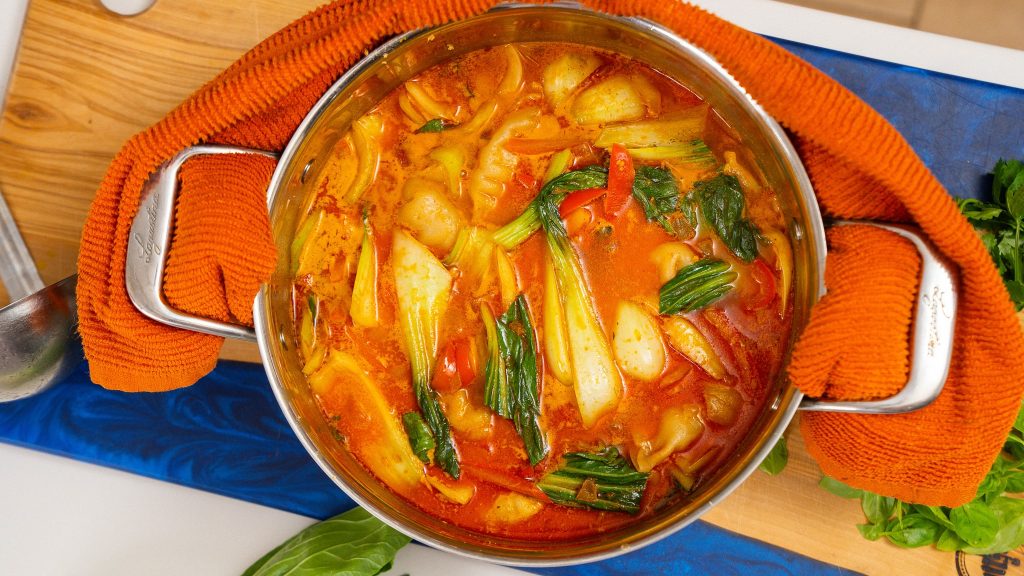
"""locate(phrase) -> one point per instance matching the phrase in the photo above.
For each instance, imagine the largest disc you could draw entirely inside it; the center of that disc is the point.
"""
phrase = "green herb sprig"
(1001, 223)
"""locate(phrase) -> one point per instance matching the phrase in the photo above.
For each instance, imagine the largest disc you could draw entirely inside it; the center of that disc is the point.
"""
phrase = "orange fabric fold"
(854, 347)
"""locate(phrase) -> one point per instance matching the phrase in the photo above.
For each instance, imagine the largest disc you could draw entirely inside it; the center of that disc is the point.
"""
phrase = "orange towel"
(853, 348)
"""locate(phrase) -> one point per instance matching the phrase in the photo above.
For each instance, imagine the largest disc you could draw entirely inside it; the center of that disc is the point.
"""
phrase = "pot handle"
(931, 341)
(150, 239)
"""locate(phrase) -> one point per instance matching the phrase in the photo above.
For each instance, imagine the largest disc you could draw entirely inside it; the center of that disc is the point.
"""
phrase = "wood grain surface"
(87, 79)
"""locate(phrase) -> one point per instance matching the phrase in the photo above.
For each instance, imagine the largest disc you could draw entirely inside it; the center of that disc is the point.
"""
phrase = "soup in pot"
(541, 290)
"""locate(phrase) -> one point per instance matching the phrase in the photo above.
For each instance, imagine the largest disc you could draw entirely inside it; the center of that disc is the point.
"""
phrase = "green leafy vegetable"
(657, 193)
(1001, 222)
(602, 480)
(510, 378)
(551, 194)
(695, 286)
(434, 125)
(777, 459)
(912, 531)
(839, 489)
(353, 543)
(722, 207)
(420, 437)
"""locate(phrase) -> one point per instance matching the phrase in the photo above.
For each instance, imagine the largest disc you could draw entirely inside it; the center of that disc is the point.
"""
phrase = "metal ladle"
(39, 342)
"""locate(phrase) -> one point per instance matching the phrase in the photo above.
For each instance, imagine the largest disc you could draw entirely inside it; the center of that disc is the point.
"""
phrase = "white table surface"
(63, 517)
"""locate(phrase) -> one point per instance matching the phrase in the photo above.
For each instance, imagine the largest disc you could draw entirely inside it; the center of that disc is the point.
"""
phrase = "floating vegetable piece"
(512, 508)
(495, 165)
(676, 129)
(783, 263)
(678, 429)
(432, 219)
(722, 403)
(366, 135)
(619, 486)
(468, 419)
(637, 342)
(671, 257)
(722, 207)
(613, 100)
(423, 288)
(684, 337)
(388, 455)
(579, 199)
(556, 341)
(514, 394)
(559, 162)
(564, 74)
(694, 153)
(508, 281)
(364, 293)
(434, 125)
(458, 493)
(512, 81)
(554, 192)
(656, 191)
(453, 160)
(621, 176)
(685, 468)
(696, 286)
(421, 439)
(471, 253)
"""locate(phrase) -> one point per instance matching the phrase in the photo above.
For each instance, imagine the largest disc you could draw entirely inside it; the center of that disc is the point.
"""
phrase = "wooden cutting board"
(87, 79)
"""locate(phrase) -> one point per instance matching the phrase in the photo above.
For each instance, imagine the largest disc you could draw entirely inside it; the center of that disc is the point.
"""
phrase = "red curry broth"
(399, 160)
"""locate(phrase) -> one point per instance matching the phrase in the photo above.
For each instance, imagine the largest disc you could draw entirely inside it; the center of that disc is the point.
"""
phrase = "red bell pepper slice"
(464, 362)
(578, 199)
(620, 182)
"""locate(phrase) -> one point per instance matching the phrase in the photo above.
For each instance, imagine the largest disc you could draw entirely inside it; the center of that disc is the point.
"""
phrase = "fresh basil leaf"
(1015, 197)
(977, 210)
(871, 531)
(777, 459)
(877, 509)
(912, 531)
(948, 541)
(722, 206)
(1003, 175)
(839, 489)
(1009, 513)
(1016, 290)
(975, 523)
(353, 543)
(933, 513)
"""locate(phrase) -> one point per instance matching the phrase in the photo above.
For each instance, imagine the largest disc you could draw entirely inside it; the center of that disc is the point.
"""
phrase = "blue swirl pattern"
(227, 435)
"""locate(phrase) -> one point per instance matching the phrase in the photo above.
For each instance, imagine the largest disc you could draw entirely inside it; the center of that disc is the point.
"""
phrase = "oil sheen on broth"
(541, 290)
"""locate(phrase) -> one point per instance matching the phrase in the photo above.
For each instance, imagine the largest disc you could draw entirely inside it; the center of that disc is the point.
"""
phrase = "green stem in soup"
(601, 480)
(517, 231)
(364, 292)
(696, 286)
(510, 387)
(423, 287)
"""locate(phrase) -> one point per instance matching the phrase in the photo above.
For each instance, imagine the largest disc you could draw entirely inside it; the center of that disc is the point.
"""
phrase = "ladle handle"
(150, 240)
(17, 269)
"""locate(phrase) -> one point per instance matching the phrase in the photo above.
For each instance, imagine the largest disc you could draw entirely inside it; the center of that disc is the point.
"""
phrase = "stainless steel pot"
(405, 56)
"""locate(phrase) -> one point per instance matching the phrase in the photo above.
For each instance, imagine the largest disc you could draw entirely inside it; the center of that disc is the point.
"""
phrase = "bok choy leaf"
(517, 231)
(722, 207)
(510, 387)
(423, 286)
(601, 480)
(695, 286)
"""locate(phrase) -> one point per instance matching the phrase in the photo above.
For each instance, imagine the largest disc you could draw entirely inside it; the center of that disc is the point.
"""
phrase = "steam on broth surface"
(541, 290)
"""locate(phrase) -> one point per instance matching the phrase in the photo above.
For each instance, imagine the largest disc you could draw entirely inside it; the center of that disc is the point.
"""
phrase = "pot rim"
(786, 404)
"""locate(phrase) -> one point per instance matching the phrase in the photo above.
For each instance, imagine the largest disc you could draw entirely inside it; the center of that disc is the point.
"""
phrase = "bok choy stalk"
(602, 480)
(423, 287)
(510, 378)
(364, 292)
(596, 379)
(552, 193)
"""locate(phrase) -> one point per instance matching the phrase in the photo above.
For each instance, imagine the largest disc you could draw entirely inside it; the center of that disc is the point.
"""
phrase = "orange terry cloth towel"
(854, 348)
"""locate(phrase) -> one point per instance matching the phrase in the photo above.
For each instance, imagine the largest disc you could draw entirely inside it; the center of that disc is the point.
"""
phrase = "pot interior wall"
(402, 58)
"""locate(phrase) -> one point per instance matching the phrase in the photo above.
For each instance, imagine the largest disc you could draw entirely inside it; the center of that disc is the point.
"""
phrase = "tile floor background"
(999, 22)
